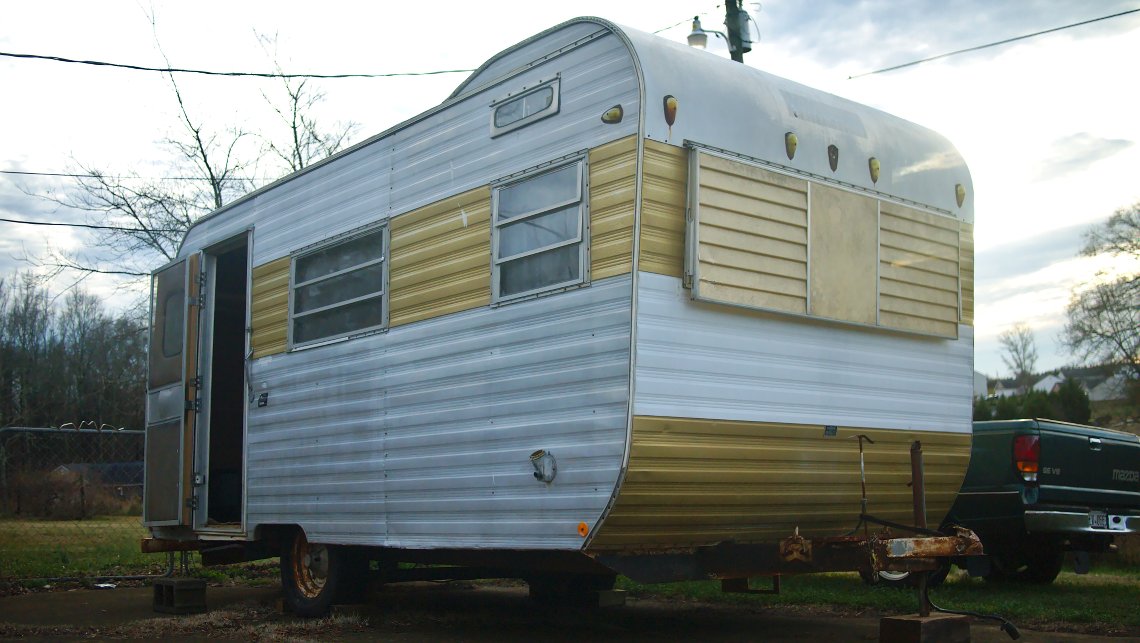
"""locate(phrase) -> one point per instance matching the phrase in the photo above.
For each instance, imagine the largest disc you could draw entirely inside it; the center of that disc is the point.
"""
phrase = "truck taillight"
(1026, 455)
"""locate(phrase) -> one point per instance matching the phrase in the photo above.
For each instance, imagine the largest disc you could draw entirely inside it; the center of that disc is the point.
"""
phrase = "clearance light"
(583, 529)
(833, 156)
(1026, 456)
(613, 115)
(960, 194)
(790, 143)
(873, 166)
(670, 105)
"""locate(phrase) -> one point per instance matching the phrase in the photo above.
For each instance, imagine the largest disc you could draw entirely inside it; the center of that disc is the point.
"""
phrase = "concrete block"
(936, 628)
(179, 595)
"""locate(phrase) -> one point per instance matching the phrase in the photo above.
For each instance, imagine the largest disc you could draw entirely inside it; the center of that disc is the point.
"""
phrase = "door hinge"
(194, 405)
(192, 503)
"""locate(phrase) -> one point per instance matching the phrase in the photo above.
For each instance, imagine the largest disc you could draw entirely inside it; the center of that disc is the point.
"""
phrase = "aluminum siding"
(697, 360)
(664, 179)
(966, 278)
(421, 437)
(613, 172)
(269, 306)
(444, 153)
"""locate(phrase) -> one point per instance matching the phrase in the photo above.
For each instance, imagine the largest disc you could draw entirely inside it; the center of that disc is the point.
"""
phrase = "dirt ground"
(437, 612)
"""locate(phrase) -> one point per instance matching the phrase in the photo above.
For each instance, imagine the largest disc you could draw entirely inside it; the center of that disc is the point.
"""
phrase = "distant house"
(1007, 388)
(1049, 383)
(1113, 388)
(125, 477)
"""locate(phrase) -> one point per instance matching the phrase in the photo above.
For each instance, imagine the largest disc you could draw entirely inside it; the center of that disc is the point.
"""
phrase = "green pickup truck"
(1038, 488)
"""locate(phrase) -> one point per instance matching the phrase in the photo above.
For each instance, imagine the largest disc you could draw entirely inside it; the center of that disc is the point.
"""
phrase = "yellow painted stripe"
(441, 258)
(966, 271)
(699, 482)
(663, 199)
(613, 176)
(269, 318)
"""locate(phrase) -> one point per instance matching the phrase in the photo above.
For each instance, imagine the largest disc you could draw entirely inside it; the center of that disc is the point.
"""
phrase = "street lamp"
(739, 37)
(699, 37)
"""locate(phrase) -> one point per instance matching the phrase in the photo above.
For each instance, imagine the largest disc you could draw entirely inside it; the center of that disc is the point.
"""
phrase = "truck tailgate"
(1086, 467)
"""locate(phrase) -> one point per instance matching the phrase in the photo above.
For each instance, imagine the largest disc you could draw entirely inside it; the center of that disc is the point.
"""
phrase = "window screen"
(338, 290)
(538, 232)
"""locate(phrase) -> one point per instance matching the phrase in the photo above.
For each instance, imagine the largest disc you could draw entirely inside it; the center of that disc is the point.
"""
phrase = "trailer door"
(172, 393)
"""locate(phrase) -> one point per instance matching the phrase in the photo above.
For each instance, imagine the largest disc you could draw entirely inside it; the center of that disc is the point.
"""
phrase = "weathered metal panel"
(918, 271)
(269, 308)
(664, 182)
(422, 436)
(440, 154)
(966, 271)
(741, 108)
(440, 258)
(696, 482)
(753, 237)
(613, 171)
(701, 360)
(844, 260)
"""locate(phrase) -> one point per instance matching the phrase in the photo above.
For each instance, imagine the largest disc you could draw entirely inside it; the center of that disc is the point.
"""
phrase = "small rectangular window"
(538, 232)
(522, 109)
(338, 289)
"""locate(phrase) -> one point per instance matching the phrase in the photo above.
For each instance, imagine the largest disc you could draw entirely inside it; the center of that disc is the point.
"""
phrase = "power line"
(176, 70)
(90, 226)
(993, 44)
(686, 20)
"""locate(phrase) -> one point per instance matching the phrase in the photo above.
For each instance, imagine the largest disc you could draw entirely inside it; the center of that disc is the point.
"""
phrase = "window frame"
(552, 109)
(580, 238)
(382, 294)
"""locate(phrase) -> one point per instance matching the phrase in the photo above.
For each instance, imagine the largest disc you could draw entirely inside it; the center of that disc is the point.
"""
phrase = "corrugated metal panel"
(445, 153)
(613, 172)
(441, 258)
(421, 436)
(966, 271)
(707, 361)
(269, 308)
(753, 236)
(663, 194)
(918, 271)
(699, 482)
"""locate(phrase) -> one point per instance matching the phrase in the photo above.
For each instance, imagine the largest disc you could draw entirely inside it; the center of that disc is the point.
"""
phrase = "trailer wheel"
(315, 576)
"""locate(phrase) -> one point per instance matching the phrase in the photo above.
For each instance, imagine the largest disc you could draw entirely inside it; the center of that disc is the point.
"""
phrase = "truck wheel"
(906, 580)
(315, 576)
(1037, 563)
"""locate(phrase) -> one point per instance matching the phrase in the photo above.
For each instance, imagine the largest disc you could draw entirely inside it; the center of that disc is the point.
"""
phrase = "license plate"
(1098, 520)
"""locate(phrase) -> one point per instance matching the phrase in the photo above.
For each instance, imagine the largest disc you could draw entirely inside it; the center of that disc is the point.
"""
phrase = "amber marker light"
(873, 166)
(833, 156)
(960, 194)
(583, 529)
(790, 143)
(670, 105)
(613, 115)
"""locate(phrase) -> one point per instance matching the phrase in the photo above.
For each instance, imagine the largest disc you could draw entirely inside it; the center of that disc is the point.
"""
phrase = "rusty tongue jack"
(921, 554)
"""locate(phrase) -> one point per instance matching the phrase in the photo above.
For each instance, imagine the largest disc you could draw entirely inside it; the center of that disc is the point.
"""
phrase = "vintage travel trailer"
(615, 306)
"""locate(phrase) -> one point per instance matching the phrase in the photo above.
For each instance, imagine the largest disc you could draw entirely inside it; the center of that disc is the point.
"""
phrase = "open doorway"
(224, 370)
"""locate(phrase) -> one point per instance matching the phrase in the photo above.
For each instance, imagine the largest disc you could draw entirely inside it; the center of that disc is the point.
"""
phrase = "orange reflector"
(583, 529)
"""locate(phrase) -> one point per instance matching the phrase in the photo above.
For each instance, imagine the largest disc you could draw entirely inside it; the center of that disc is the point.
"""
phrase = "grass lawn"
(101, 546)
(1107, 596)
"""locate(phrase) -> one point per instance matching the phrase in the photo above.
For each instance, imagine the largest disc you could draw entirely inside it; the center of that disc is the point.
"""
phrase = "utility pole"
(733, 17)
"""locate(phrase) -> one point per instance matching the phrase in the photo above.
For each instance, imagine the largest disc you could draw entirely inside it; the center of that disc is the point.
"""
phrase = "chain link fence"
(71, 505)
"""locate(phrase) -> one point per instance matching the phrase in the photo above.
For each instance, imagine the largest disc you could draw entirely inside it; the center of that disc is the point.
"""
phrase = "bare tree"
(305, 140)
(140, 222)
(1104, 316)
(1019, 353)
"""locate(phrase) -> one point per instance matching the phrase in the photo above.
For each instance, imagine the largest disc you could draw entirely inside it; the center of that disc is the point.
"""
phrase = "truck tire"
(906, 580)
(1037, 562)
(314, 577)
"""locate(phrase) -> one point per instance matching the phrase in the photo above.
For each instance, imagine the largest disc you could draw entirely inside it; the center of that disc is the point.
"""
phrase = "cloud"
(871, 34)
(1028, 254)
(1077, 152)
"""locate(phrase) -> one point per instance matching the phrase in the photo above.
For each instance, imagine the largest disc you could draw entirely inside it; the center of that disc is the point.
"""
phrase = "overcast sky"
(1048, 125)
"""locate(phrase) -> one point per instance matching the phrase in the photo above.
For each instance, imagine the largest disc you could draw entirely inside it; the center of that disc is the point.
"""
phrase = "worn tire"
(1037, 562)
(314, 577)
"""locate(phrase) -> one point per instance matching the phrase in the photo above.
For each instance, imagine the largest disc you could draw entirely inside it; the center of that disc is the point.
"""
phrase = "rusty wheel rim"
(310, 567)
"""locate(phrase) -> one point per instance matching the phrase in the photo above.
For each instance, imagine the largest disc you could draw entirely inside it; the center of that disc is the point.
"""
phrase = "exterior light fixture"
(699, 37)
(873, 166)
